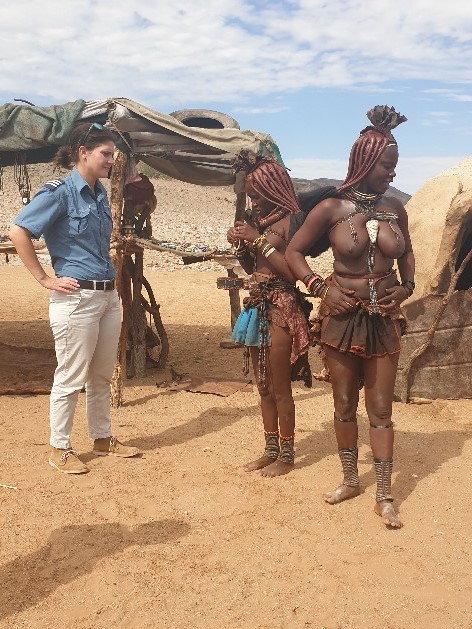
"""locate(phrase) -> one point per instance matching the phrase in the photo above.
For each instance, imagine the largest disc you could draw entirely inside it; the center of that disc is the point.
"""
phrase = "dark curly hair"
(88, 135)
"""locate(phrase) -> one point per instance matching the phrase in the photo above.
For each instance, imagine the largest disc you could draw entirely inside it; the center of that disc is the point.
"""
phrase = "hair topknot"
(384, 119)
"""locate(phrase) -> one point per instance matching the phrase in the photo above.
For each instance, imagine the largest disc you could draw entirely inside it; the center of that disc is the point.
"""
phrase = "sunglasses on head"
(94, 125)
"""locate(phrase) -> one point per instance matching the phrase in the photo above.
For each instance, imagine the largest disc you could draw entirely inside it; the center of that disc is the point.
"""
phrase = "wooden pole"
(138, 318)
(234, 299)
(116, 193)
(116, 205)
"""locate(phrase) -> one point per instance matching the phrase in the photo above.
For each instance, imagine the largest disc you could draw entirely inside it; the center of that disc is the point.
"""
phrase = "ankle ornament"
(383, 476)
(272, 447)
(348, 458)
(287, 450)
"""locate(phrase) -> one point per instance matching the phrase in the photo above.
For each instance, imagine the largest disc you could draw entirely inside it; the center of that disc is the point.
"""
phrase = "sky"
(304, 71)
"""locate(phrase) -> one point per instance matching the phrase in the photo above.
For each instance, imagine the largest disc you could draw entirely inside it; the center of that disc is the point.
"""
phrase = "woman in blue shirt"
(73, 215)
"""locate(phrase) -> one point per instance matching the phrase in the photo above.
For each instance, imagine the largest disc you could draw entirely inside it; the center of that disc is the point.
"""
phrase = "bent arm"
(21, 238)
(315, 225)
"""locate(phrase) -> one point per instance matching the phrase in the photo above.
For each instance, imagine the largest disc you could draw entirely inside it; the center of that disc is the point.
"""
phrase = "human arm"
(317, 223)
(243, 254)
(21, 238)
(268, 247)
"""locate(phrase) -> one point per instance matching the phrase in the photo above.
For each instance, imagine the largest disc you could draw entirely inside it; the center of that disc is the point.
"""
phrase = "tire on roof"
(205, 119)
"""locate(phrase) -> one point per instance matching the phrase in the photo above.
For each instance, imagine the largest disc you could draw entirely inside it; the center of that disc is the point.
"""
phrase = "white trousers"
(86, 327)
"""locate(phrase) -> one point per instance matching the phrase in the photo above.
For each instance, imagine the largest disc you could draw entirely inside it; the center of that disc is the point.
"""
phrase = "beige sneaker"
(111, 445)
(67, 461)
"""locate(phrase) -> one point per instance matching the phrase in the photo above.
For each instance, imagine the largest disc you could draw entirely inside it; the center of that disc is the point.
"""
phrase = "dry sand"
(182, 537)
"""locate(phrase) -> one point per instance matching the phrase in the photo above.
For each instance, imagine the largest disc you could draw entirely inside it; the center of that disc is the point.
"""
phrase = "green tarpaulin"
(193, 154)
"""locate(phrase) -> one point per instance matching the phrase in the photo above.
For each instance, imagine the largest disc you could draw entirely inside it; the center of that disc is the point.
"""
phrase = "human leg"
(99, 378)
(269, 419)
(345, 371)
(279, 375)
(75, 332)
(102, 365)
(380, 373)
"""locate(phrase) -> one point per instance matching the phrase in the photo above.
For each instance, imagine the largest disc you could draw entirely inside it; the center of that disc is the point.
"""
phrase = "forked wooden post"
(234, 299)
(123, 282)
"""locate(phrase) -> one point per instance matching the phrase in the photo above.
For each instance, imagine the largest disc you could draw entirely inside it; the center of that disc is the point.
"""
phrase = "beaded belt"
(97, 284)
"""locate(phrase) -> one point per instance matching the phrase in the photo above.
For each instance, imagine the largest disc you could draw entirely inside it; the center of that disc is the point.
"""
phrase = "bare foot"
(343, 492)
(389, 517)
(277, 468)
(258, 464)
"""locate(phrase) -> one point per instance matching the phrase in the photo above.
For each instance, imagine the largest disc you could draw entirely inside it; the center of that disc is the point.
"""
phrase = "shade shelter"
(198, 155)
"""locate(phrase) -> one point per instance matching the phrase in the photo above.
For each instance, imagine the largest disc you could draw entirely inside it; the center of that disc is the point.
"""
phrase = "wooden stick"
(116, 204)
(120, 373)
(116, 193)
(138, 318)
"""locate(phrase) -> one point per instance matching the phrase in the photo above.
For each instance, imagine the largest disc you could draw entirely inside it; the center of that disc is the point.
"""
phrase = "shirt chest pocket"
(79, 219)
(106, 213)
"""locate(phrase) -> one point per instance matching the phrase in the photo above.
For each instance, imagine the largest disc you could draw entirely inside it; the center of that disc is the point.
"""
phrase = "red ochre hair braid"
(273, 183)
(365, 151)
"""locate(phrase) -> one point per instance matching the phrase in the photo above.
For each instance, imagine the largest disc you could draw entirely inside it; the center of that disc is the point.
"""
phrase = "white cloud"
(258, 110)
(226, 50)
(313, 168)
(449, 94)
(412, 172)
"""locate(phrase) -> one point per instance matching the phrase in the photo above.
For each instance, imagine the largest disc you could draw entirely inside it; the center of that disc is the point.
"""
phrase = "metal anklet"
(383, 476)
(287, 451)
(348, 458)
(272, 445)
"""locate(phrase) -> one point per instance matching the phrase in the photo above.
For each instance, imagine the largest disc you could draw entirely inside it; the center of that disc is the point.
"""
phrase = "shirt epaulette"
(54, 184)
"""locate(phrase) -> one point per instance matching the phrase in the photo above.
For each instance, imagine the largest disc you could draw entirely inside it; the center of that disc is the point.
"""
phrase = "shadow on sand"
(417, 455)
(71, 552)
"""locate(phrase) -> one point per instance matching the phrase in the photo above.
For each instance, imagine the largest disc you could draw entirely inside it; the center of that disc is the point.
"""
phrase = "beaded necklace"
(365, 204)
(276, 215)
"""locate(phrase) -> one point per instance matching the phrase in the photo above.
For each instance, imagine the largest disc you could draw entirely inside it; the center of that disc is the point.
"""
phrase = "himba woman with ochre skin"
(73, 215)
(273, 324)
(360, 322)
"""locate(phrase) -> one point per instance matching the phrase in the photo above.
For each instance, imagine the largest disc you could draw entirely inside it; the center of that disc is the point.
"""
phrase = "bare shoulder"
(329, 205)
(278, 232)
(326, 208)
(394, 204)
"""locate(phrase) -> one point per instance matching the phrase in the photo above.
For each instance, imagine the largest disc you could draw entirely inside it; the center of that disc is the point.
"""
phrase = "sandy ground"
(183, 538)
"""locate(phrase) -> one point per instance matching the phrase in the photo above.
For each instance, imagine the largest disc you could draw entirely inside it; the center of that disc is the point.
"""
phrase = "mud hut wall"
(445, 369)
(436, 220)
(457, 227)
(427, 211)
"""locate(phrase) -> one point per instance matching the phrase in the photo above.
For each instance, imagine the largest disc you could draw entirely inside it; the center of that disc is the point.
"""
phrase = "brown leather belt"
(97, 284)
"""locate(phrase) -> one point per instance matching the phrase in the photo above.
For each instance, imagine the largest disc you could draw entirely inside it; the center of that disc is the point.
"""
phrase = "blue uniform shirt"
(76, 224)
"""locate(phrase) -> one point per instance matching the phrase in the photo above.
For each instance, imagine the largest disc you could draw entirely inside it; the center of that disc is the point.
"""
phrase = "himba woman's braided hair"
(367, 149)
(273, 183)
